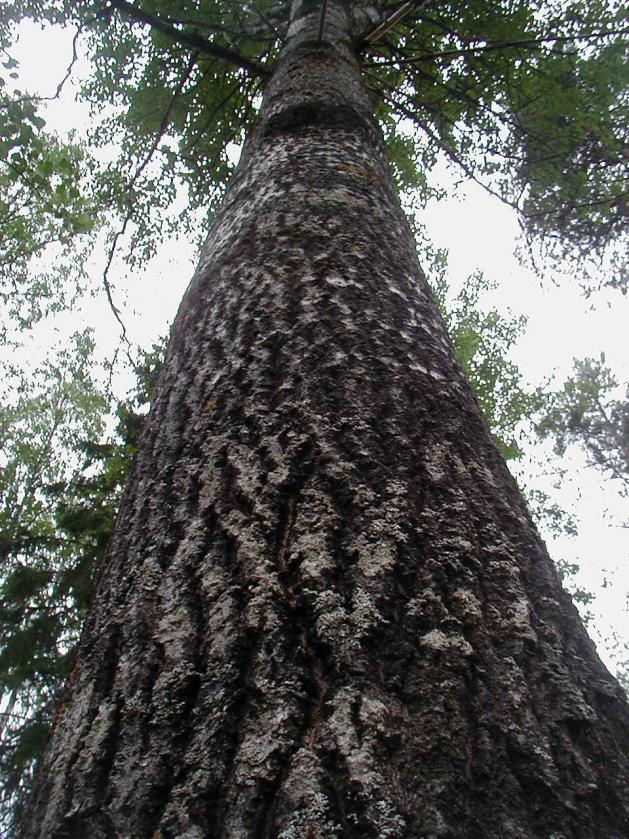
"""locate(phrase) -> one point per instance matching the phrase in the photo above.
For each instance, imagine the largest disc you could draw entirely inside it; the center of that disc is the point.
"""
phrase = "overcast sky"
(480, 233)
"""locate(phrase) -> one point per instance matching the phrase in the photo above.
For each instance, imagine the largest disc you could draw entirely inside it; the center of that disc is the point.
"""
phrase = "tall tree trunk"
(325, 611)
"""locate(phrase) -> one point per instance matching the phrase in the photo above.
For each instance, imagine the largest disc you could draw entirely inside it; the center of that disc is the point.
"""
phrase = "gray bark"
(325, 610)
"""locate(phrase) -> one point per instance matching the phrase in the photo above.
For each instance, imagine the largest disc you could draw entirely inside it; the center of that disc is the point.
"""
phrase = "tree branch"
(393, 19)
(136, 175)
(468, 171)
(528, 43)
(189, 39)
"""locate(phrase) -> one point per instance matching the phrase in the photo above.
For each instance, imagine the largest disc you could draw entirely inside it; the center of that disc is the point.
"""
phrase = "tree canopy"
(527, 98)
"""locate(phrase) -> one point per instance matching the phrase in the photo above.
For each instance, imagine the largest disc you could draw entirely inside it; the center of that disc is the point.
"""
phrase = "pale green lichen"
(390, 824)
(450, 644)
(313, 817)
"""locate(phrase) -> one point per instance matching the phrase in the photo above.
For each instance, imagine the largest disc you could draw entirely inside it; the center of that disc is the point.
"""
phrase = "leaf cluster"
(590, 411)
(482, 340)
(530, 100)
(43, 205)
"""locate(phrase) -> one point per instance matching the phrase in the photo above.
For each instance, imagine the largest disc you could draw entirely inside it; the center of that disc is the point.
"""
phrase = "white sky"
(480, 233)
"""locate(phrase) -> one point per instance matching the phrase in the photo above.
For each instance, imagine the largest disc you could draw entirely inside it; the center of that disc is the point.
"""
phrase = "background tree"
(585, 411)
(43, 206)
(60, 489)
(43, 582)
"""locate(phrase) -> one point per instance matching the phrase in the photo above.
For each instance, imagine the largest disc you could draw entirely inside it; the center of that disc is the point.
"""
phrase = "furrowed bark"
(325, 610)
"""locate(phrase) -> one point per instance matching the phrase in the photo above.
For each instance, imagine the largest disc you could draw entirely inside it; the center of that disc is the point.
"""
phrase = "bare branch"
(526, 43)
(136, 175)
(393, 19)
(190, 39)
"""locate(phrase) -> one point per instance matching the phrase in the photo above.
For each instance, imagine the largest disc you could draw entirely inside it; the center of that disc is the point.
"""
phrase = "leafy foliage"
(585, 412)
(41, 205)
(482, 340)
(530, 100)
(573, 186)
(59, 490)
(527, 98)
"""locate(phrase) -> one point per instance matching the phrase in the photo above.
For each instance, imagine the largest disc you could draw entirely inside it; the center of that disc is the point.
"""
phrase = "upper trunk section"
(315, 21)
(317, 80)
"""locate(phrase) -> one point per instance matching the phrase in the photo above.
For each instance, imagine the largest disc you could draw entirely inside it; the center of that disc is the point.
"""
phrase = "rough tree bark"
(325, 611)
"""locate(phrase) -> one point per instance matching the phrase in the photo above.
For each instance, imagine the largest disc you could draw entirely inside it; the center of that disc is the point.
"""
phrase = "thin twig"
(137, 174)
(67, 75)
